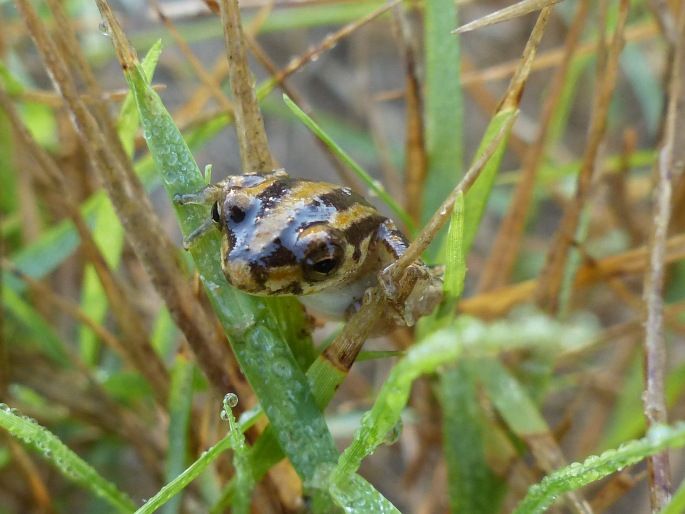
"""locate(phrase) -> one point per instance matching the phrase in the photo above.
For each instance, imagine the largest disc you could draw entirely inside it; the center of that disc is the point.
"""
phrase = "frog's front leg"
(418, 291)
(209, 194)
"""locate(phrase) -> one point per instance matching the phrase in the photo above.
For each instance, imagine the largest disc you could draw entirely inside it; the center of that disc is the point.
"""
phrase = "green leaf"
(67, 462)
(443, 105)
(179, 406)
(254, 332)
(594, 468)
(477, 197)
(472, 485)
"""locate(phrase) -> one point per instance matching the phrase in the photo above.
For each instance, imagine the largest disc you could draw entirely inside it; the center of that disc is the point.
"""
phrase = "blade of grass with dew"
(511, 400)
(244, 480)
(443, 107)
(108, 233)
(373, 185)
(181, 482)
(179, 408)
(358, 495)
(67, 462)
(254, 333)
(472, 485)
(594, 468)
(438, 349)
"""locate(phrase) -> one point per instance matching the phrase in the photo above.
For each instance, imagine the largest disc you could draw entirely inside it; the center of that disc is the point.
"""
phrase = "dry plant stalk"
(505, 248)
(343, 351)
(632, 262)
(668, 167)
(254, 148)
(552, 275)
(154, 249)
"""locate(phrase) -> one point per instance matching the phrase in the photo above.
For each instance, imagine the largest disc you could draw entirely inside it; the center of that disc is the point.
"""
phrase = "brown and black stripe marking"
(265, 236)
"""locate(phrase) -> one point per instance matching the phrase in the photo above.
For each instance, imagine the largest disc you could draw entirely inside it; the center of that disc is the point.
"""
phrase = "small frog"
(320, 242)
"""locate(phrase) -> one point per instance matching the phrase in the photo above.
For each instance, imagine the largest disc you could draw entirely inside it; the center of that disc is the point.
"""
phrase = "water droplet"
(231, 399)
(104, 28)
(346, 191)
(224, 415)
(281, 368)
(394, 433)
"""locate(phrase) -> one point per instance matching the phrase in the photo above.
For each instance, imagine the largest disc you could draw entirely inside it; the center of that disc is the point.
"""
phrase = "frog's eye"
(321, 259)
(215, 213)
(235, 206)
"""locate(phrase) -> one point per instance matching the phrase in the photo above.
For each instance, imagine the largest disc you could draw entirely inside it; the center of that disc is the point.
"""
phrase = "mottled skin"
(320, 242)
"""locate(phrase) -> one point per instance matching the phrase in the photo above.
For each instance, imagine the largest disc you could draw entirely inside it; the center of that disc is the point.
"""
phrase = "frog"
(322, 243)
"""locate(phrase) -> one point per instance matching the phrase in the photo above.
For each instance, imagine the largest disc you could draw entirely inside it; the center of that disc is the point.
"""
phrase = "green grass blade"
(179, 407)
(67, 462)
(472, 485)
(358, 495)
(437, 349)
(180, 482)
(373, 185)
(34, 328)
(107, 231)
(596, 467)
(254, 332)
(478, 195)
(511, 400)
(443, 105)
(244, 478)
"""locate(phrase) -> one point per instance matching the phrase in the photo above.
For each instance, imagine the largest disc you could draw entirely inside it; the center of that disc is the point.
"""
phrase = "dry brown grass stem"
(343, 351)
(668, 168)
(135, 347)
(206, 78)
(633, 262)
(552, 275)
(416, 166)
(144, 231)
(551, 58)
(254, 148)
(505, 248)
(664, 18)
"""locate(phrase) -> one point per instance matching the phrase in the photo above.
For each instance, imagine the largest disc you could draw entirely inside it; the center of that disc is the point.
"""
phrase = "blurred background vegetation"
(74, 320)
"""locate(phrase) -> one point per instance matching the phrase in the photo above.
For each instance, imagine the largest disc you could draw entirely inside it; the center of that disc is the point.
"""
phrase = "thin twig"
(254, 148)
(344, 349)
(632, 262)
(667, 169)
(505, 248)
(205, 77)
(551, 277)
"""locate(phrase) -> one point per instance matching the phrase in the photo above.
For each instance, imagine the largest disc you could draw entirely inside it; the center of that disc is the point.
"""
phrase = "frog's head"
(282, 236)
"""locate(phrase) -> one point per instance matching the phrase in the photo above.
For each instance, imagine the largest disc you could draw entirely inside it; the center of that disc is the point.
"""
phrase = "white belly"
(333, 303)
